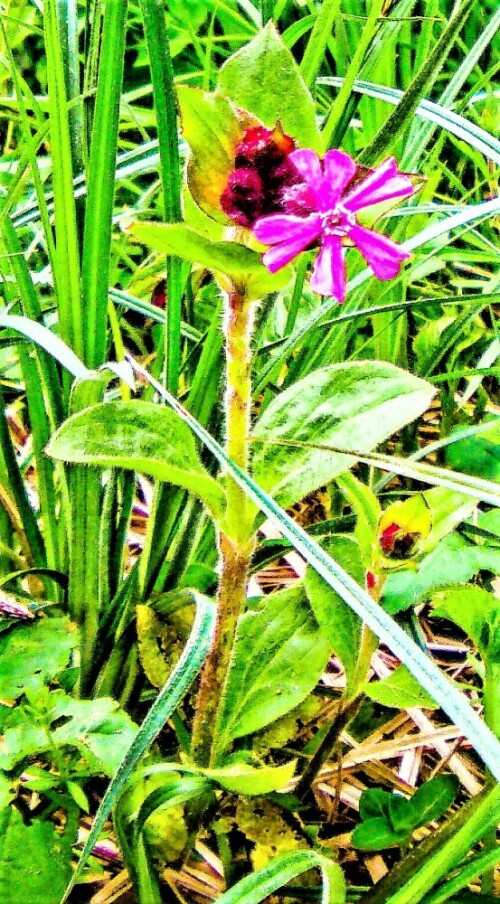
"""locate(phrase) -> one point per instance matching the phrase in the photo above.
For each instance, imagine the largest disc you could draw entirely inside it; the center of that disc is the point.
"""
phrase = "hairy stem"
(235, 535)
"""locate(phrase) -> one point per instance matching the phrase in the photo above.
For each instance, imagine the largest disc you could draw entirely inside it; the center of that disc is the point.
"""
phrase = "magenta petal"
(339, 169)
(309, 166)
(385, 183)
(329, 270)
(382, 254)
(295, 238)
(281, 227)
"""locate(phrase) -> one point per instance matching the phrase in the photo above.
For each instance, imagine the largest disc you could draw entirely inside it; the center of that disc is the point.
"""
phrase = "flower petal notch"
(321, 210)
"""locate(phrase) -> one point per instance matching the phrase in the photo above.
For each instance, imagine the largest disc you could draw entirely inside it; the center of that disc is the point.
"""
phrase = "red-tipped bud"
(159, 295)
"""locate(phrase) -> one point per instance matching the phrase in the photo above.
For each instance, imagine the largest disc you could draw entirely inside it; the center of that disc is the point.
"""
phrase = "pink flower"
(331, 219)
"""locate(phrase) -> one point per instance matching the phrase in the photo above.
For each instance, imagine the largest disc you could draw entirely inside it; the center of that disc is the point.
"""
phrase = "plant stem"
(235, 535)
(324, 751)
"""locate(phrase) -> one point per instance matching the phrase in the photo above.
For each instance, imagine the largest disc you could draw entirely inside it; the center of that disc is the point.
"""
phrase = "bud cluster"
(262, 178)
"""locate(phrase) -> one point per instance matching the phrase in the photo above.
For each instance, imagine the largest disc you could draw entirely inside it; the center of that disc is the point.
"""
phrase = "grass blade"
(162, 75)
(318, 40)
(386, 136)
(166, 702)
(101, 184)
(264, 882)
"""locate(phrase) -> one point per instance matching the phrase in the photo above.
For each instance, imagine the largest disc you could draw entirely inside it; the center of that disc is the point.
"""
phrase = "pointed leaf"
(232, 259)
(139, 436)
(264, 78)
(279, 656)
(348, 406)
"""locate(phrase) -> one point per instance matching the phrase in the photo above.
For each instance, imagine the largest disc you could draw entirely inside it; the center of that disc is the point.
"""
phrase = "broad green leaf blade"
(34, 653)
(96, 727)
(476, 612)
(434, 797)
(351, 406)
(377, 834)
(418, 663)
(237, 261)
(338, 622)
(264, 882)
(264, 79)
(139, 436)
(279, 656)
(166, 702)
(400, 690)
(35, 860)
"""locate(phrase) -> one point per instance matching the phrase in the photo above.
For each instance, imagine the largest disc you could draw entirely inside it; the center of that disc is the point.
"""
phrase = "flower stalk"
(235, 534)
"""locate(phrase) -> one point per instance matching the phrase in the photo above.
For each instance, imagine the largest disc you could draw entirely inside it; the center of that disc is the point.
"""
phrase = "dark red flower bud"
(242, 198)
(262, 172)
(261, 148)
(388, 537)
(158, 295)
(371, 581)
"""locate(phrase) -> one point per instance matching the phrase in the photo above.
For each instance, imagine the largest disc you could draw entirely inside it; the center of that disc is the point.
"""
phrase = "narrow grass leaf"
(166, 702)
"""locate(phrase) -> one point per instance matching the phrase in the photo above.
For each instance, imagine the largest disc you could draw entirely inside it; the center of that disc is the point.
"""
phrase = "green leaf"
(212, 127)
(264, 882)
(340, 625)
(400, 690)
(374, 803)
(240, 263)
(377, 834)
(166, 702)
(264, 78)
(242, 778)
(447, 509)
(351, 406)
(96, 727)
(478, 455)
(279, 656)
(35, 860)
(476, 612)
(400, 814)
(34, 653)
(454, 559)
(139, 436)
(434, 797)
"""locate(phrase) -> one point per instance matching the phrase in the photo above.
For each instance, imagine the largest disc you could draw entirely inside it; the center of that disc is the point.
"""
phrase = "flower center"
(338, 221)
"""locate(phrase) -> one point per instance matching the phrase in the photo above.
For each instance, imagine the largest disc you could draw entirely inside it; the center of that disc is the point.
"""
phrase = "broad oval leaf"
(264, 78)
(279, 656)
(33, 653)
(400, 690)
(433, 798)
(139, 436)
(351, 406)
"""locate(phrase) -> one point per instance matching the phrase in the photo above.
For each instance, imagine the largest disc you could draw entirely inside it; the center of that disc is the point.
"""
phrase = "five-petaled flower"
(324, 208)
